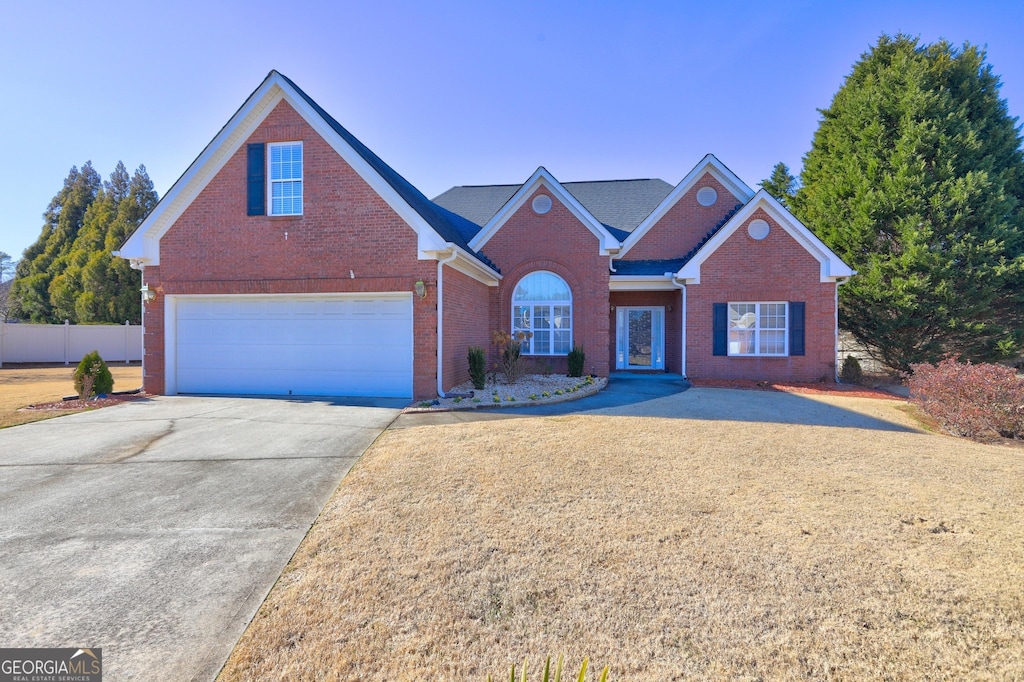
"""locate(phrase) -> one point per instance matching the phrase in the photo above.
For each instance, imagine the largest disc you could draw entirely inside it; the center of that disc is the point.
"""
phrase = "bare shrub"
(510, 347)
(970, 400)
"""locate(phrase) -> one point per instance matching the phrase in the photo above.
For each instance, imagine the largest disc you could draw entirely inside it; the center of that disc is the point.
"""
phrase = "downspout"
(682, 286)
(440, 318)
(839, 282)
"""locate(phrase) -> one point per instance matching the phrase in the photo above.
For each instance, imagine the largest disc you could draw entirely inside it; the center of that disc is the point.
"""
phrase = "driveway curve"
(155, 529)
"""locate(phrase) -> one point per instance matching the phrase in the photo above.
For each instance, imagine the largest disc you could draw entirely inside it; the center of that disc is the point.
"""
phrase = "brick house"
(289, 259)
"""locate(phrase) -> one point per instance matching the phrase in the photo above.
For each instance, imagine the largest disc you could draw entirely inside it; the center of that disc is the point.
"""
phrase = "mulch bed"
(850, 390)
(95, 403)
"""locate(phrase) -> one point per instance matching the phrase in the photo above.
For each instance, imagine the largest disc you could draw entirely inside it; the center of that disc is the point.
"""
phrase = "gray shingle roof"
(618, 204)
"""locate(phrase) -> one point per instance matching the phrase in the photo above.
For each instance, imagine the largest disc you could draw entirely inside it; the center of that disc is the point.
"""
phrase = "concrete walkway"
(623, 390)
(154, 530)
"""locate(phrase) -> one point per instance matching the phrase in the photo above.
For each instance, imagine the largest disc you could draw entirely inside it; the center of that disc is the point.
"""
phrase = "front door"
(640, 337)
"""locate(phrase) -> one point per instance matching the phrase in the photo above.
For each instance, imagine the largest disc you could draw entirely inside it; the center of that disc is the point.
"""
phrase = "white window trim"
(528, 344)
(757, 329)
(271, 181)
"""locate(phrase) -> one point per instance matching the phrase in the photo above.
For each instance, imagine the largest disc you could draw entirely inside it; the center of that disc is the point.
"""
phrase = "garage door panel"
(342, 345)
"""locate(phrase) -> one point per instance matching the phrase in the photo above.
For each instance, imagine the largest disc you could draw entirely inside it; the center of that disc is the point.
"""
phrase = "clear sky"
(452, 93)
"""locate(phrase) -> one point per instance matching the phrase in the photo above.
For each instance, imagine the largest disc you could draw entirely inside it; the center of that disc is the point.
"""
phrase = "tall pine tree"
(70, 272)
(781, 184)
(916, 179)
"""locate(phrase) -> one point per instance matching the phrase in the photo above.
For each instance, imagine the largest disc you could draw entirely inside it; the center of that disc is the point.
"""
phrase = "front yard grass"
(23, 385)
(667, 548)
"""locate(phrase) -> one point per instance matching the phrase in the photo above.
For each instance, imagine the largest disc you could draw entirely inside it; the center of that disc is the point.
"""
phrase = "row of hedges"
(976, 401)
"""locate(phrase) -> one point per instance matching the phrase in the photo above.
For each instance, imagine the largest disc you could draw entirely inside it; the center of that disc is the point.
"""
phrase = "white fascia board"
(542, 178)
(831, 266)
(144, 244)
(641, 283)
(709, 164)
(467, 264)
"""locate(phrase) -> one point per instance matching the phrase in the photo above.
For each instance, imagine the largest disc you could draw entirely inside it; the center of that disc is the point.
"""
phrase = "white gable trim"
(710, 165)
(542, 178)
(144, 244)
(832, 266)
(459, 259)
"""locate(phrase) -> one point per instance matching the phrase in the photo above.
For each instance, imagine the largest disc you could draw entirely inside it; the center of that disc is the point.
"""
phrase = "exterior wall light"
(421, 288)
(148, 295)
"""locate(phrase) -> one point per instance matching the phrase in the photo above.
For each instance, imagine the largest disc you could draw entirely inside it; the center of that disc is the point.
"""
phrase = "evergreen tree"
(781, 184)
(70, 272)
(916, 179)
(6, 266)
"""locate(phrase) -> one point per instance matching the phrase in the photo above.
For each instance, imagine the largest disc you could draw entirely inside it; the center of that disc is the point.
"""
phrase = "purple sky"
(452, 93)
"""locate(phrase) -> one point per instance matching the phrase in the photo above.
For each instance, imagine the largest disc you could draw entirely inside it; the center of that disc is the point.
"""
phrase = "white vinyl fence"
(69, 343)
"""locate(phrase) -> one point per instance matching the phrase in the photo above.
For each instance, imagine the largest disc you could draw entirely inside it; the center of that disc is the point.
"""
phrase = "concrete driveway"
(155, 529)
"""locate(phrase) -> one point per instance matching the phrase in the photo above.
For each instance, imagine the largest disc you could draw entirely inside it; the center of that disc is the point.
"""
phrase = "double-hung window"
(285, 178)
(758, 329)
(542, 310)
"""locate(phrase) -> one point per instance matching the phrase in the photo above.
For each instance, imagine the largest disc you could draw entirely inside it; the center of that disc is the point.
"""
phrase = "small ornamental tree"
(510, 347)
(92, 377)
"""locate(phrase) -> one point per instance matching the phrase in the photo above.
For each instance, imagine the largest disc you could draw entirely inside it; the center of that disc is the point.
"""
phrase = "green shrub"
(851, 372)
(92, 377)
(576, 358)
(477, 367)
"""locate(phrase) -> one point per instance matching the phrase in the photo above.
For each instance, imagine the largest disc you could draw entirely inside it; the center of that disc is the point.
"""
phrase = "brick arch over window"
(542, 309)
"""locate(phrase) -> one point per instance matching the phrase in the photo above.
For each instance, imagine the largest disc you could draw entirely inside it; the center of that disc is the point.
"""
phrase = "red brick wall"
(747, 270)
(153, 335)
(671, 301)
(465, 323)
(685, 224)
(559, 243)
(346, 228)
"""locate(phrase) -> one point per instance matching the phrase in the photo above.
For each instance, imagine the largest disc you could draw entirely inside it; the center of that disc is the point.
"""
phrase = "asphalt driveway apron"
(155, 529)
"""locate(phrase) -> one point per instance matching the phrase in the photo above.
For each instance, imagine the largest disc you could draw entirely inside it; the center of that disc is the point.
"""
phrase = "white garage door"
(354, 345)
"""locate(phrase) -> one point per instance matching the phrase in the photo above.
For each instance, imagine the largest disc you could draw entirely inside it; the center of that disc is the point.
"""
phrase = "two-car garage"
(313, 345)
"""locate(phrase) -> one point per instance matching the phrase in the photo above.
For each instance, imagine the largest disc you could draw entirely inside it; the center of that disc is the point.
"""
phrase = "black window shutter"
(257, 180)
(720, 330)
(796, 328)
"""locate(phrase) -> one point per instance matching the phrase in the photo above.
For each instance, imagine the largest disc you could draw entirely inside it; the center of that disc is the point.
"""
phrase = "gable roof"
(708, 165)
(832, 266)
(438, 229)
(619, 205)
(542, 178)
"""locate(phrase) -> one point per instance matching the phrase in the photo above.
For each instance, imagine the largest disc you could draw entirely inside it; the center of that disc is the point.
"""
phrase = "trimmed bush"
(975, 401)
(477, 367)
(92, 376)
(851, 372)
(576, 358)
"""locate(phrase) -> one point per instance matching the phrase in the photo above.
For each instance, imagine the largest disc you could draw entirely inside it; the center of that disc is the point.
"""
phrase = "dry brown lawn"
(22, 385)
(666, 547)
